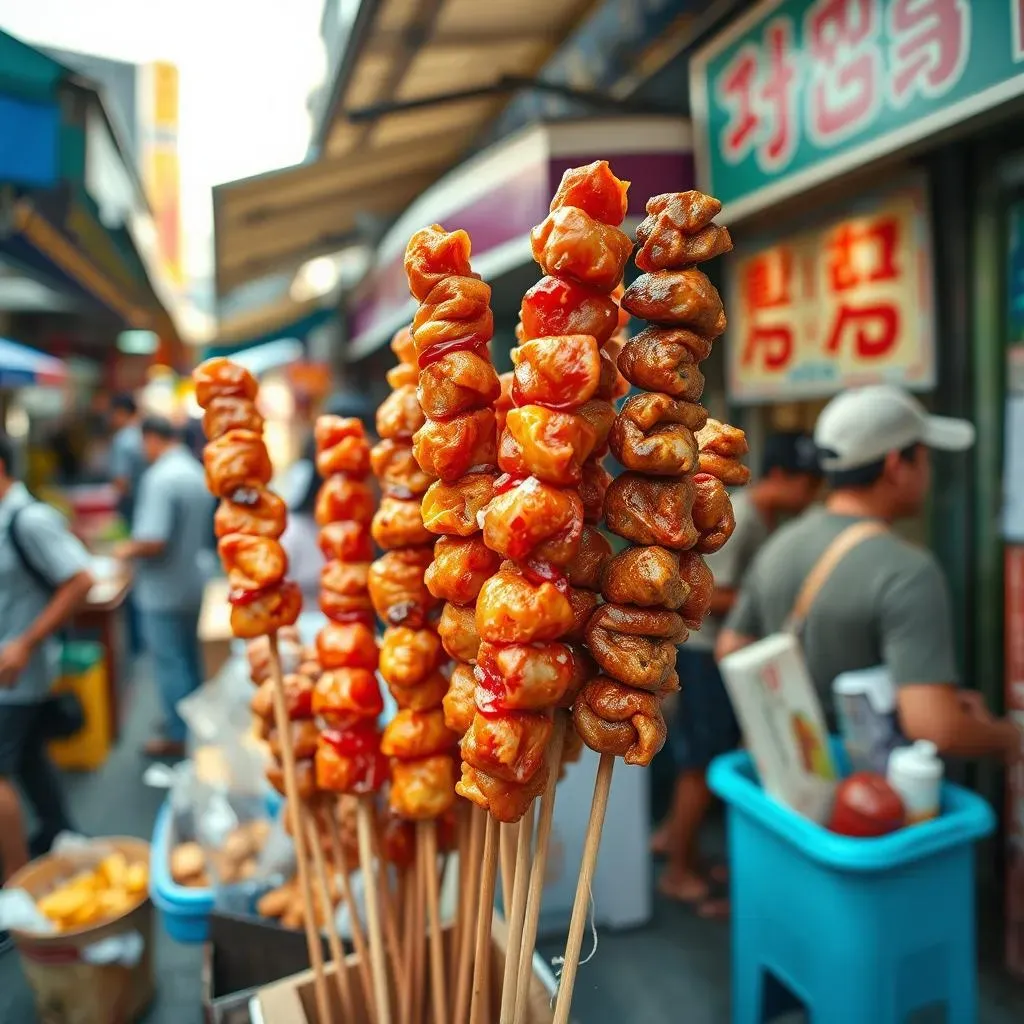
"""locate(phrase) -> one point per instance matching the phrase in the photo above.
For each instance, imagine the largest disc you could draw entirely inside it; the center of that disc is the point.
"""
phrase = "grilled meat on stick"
(249, 523)
(421, 749)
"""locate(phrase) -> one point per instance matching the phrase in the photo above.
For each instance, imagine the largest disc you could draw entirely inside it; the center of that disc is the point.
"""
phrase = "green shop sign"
(799, 91)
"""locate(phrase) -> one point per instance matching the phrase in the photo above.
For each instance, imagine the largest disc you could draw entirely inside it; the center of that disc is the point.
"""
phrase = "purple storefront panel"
(510, 211)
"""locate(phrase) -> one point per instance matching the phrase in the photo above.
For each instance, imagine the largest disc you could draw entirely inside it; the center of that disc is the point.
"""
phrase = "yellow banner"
(161, 171)
(842, 305)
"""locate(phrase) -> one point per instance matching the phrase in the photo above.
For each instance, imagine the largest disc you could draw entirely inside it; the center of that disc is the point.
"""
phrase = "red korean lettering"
(871, 328)
(736, 92)
(778, 96)
(770, 346)
(767, 280)
(859, 253)
(929, 41)
(846, 85)
(758, 90)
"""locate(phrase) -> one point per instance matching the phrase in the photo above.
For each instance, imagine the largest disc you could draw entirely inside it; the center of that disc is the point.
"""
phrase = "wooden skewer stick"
(545, 816)
(364, 824)
(408, 909)
(291, 790)
(462, 819)
(427, 849)
(387, 906)
(341, 975)
(518, 916)
(419, 965)
(485, 913)
(509, 842)
(341, 867)
(478, 821)
(581, 905)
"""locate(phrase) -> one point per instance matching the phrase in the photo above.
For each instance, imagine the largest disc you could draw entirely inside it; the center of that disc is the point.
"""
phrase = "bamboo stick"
(291, 789)
(581, 905)
(485, 912)
(478, 822)
(341, 975)
(344, 873)
(364, 821)
(509, 995)
(428, 851)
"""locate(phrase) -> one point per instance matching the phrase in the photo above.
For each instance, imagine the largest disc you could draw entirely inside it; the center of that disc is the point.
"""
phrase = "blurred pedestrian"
(169, 547)
(44, 580)
(886, 601)
(704, 724)
(127, 459)
(127, 464)
(300, 539)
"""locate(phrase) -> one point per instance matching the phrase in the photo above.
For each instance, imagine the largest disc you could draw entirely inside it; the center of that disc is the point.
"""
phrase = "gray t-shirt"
(56, 554)
(128, 462)
(886, 603)
(730, 564)
(175, 507)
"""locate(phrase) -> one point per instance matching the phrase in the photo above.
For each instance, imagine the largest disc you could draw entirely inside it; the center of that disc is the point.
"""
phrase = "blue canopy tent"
(21, 366)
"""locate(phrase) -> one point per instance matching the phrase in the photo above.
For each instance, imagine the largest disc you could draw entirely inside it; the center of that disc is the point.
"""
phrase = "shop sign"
(840, 305)
(796, 92)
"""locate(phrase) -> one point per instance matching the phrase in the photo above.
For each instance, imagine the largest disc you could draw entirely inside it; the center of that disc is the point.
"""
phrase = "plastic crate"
(896, 912)
(184, 911)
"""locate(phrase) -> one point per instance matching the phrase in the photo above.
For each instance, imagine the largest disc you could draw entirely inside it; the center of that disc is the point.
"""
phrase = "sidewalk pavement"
(675, 968)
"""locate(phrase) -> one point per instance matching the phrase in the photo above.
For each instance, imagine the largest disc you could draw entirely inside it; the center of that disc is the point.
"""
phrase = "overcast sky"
(246, 68)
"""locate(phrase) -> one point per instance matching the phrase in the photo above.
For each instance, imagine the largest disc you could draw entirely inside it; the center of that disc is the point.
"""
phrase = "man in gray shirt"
(44, 580)
(886, 602)
(704, 724)
(173, 515)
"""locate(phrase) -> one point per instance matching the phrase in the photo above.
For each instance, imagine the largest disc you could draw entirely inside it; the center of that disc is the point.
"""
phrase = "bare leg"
(13, 842)
(681, 879)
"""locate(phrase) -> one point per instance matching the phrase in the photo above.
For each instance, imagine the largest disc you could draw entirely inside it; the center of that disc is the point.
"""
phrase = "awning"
(419, 81)
(21, 366)
(500, 194)
(283, 318)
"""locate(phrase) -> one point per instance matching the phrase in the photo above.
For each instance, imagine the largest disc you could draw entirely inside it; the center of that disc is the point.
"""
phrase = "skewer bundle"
(418, 740)
(670, 504)
(249, 521)
(457, 388)
(347, 697)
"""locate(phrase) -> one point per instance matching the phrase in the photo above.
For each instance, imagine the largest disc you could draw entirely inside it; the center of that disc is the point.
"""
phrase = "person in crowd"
(127, 459)
(127, 464)
(705, 725)
(44, 580)
(169, 548)
(300, 539)
(886, 602)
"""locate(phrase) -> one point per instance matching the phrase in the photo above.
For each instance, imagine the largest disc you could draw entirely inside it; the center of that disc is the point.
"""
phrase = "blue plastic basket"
(857, 929)
(184, 911)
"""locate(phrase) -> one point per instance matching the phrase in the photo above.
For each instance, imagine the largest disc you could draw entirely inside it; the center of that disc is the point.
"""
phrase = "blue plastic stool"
(861, 931)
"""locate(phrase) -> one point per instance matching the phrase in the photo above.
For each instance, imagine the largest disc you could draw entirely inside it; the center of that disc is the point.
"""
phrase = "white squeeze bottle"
(915, 772)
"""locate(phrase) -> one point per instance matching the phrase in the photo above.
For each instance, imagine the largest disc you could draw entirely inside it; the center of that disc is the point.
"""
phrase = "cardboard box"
(783, 724)
(242, 954)
(292, 1001)
(215, 637)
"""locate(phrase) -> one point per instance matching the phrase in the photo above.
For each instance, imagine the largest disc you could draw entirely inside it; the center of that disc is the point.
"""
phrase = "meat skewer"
(563, 386)
(408, 460)
(457, 444)
(249, 521)
(670, 504)
(347, 699)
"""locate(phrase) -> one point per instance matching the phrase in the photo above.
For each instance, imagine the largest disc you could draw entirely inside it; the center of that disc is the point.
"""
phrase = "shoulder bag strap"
(824, 567)
(38, 576)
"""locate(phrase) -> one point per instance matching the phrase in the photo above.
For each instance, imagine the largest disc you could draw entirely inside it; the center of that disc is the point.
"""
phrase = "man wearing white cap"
(885, 602)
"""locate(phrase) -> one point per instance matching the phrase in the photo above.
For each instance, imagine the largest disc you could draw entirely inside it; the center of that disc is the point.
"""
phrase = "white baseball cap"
(863, 425)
